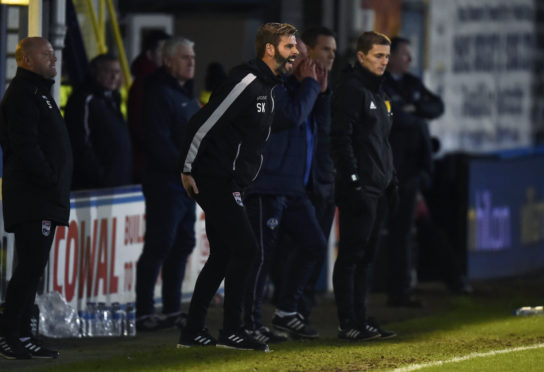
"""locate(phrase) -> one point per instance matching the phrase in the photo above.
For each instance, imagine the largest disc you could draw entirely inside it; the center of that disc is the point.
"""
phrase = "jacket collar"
(371, 81)
(265, 72)
(36, 79)
(162, 75)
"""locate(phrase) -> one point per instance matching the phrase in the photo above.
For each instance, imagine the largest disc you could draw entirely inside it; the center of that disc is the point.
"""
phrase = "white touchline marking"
(415, 367)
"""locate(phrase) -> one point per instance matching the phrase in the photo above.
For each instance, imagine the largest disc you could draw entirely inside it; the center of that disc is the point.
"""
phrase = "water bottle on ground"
(91, 319)
(119, 320)
(131, 320)
(103, 321)
(529, 310)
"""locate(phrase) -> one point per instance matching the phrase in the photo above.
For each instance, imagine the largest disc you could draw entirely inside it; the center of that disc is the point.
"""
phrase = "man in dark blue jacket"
(277, 200)
(220, 158)
(169, 103)
(36, 189)
(98, 130)
(412, 105)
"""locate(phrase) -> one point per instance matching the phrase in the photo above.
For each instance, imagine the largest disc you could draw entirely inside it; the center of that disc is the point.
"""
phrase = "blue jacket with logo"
(285, 153)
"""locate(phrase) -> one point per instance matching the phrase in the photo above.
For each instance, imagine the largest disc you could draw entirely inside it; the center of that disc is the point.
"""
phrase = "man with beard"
(277, 201)
(220, 158)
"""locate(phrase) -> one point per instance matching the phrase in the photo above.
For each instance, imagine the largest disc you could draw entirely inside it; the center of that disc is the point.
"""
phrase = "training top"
(226, 138)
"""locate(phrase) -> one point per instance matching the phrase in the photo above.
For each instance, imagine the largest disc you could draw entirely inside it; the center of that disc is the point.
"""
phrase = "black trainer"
(12, 348)
(241, 340)
(268, 336)
(202, 338)
(360, 333)
(373, 325)
(295, 325)
(37, 350)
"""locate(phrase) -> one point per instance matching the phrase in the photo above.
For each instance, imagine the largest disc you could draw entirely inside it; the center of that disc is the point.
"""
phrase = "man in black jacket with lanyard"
(365, 180)
(36, 187)
(221, 156)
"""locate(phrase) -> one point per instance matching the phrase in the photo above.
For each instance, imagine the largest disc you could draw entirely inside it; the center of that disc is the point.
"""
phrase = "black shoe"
(153, 322)
(404, 301)
(202, 338)
(267, 336)
(295, 325)
(373, 325)
(240, 340)
(37, 350)
(177, 319)
(12, 348)
(359, 333)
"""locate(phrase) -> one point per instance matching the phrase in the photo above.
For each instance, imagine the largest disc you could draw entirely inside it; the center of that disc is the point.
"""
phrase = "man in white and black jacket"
(365, 180)
(221, 156)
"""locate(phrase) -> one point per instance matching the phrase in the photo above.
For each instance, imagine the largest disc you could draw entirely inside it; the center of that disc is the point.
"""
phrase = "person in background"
(365, 185)
(321, 44)
(98, 130)
(168, 104)
(145, 64)
(37, 173)
(277, 202)
(412, 105)
(215, 76)
(221, 156)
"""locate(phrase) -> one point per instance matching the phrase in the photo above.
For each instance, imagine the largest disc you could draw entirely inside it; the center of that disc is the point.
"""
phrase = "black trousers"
(33, 242)
(169, 240)
(360, 222)
(233, 250)
(272, 215)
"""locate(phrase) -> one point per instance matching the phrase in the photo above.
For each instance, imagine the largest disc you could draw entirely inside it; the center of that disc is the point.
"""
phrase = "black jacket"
(167, 108)
(227, 136)
(37, 153)
(360, 125)
(100, 138)
(410, 138)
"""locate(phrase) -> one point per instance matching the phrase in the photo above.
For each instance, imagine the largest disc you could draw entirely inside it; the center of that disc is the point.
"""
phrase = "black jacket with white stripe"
(226, 138)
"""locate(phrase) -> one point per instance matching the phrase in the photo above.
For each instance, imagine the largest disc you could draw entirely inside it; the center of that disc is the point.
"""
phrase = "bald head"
(37, 55)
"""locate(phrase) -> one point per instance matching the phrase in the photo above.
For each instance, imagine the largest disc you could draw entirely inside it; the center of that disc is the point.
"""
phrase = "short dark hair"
(153, 38)
(310, 35)
(368, 39)
(271, 33)
(97, 61)
(396, 41)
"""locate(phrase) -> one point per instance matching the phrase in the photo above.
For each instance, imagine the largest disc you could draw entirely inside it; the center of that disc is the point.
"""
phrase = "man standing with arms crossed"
(36, 187)
(365, 180)
(221, 156)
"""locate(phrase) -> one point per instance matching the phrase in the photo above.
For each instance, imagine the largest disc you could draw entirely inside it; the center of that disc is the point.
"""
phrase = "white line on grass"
(414, 367)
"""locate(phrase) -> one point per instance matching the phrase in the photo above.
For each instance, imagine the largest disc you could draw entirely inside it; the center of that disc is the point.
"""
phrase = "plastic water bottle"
(119, 320)
(103, 320)
(91, 319)
(82, 314)
(528, 310)
(131, 320)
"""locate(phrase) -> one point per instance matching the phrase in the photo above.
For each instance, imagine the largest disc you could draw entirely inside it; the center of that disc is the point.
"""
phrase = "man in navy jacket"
(277, 200)
(169, 103)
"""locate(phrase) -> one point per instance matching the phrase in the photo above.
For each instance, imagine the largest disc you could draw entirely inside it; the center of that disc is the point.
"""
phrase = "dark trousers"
(324, 211)
(399, 247)
(32, 245)
(169, 240)
(232, 253)
(360, 224)
(294, 216)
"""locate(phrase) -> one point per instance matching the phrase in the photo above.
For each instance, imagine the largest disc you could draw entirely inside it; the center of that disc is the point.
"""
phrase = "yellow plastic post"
(119, 42)
(96, 28)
